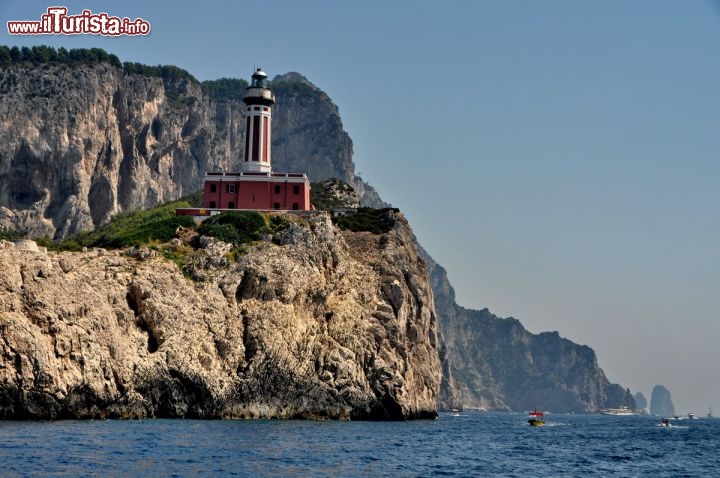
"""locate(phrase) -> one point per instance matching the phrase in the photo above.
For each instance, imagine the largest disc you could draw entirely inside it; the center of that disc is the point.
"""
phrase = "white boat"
(619, 412)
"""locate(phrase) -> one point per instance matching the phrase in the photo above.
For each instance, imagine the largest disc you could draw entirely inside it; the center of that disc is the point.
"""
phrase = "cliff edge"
(491, 363)
(311, 322)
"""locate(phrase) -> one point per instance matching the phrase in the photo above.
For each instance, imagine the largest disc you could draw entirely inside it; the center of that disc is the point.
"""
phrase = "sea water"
(469, 444)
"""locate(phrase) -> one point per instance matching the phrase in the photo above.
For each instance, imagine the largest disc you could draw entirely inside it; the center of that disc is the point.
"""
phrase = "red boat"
(537, 419)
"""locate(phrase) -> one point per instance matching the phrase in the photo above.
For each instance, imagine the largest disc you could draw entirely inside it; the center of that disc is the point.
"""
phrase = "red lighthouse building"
(256, 186)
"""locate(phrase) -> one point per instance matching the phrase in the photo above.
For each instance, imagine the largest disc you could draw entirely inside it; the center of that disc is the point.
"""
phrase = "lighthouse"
(255, 186)
(258, 100)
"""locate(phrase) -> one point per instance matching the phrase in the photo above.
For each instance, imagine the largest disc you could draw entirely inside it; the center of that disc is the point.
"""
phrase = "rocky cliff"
(661, 402)
(312, 322)
(82, 142)
(490, 363)
(640, 402)
(79, 143)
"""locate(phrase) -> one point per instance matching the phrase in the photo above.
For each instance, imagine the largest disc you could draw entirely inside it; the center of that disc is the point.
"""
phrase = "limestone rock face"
(661, 402)
(334, 194)
(313, 323)
(304, 121)
(308, 136)
(78, 144)
(640, 402)
(83, 142)
(490, 363)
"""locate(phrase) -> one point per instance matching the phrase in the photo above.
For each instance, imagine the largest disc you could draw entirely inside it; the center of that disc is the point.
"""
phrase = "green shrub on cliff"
(240, 227)
(224, 89)
(41, 54)
(11, 234)
(68, 245)
(136, 228)
(166, 72)
(377, 221)
(159, 224)
(141, 227)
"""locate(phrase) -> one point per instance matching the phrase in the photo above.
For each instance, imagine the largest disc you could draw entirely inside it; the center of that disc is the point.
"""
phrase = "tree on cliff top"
(38, 55)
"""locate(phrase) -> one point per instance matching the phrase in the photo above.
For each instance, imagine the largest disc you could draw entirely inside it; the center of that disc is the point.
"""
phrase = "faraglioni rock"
(640, 402)
(313, 322)
(661, 402)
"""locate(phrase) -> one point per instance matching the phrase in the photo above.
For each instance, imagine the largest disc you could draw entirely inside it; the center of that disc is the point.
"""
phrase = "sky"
(558, 157)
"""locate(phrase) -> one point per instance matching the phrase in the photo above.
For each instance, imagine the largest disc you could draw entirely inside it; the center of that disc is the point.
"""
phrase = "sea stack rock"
(640, 402)
(661, 402)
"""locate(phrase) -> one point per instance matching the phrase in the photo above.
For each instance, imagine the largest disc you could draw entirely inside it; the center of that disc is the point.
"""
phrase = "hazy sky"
(559, 158)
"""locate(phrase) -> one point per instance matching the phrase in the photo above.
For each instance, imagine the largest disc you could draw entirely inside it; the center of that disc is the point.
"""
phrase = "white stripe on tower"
(259, 100)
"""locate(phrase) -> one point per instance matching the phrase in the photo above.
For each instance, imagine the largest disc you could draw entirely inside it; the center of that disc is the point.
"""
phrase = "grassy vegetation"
(155, 228)
(41, 54)
(137, 228)
(292, 87)
(143, 227)
(377, 221)
(167, 72)
(158, 225)
(241, 227)
(225, 89)
(68, 245)
(181, 256)
(154, 225)
(38, 55)
(11, 234)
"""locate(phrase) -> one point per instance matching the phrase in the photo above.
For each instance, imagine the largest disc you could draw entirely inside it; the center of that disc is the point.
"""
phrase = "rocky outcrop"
(660, 402)
(311, 323)
(308, 136)
(640, 402)
(334, 194)
(304, 119)
(79, 143)
(491, 363)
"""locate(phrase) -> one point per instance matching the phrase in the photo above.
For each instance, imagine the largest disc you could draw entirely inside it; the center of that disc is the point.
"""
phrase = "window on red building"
(277, 189)
(276, 205)
(213, 188)
(212, 204)
(296, 206)
(296, 189)
(231, 188)
(231, 205)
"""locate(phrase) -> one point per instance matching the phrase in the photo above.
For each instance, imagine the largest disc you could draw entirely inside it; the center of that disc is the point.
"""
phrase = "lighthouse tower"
(259, 100)
(256, 186)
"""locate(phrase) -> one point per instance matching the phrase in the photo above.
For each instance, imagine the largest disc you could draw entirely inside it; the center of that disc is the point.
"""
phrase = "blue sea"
(470, 444)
